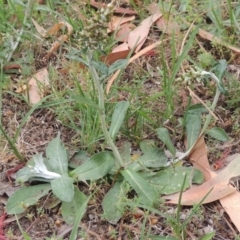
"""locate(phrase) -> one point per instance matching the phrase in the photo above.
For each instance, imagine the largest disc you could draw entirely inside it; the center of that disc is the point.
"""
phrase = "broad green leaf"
(36, 168)
(147, 194)
(96, 167)
(25, 197)
(69, 209)
(218, 133)
(24, 174)
(78, 159)
(63, 188)
(101, 67)
(147, 145)
(163, 135)
(118, 117)
(57, 155)
(219, 70)
(80, 212)
(78, 59)
(154, 158)
(193, 126)
(196, 109)
(119, 64)
(112, 203)
(125, 152)
(170, 179)
(198, 177)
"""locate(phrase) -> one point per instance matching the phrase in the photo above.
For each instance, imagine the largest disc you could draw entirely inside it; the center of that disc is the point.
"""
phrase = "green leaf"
(83, 100)
(101, 67)
(112, 203)
(163, 135)
(63, 188)
(57, 155)
(147, 194)
(25, 197)
(196, 109)
(198, 177)
(79, 215)
(118, 117)
(154, 158)
(78, 159)
(147, 145)
(170, 179)
(125, 152)
(119, 64)
(193, 126)
(219, 70)
(208, 236)
(69, 209)
(96, 167)
(218, 133)
(162, 238)
(78, 59)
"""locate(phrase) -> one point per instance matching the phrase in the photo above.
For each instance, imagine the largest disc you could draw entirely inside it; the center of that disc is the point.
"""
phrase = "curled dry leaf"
(138, 36)
(37, 84)
(116, 21)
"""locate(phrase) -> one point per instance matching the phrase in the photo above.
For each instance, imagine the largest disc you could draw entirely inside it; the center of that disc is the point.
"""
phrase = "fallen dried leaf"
(168, 26)
(232, 207)
(37, 84)
(218, 185)
(113, 57)
(138, 36)
(165, 24)
(122, 34)
(116, 21)
(120, 48)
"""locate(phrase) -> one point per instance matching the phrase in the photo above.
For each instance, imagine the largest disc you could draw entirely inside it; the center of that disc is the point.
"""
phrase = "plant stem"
(214, 104)
(102, 114)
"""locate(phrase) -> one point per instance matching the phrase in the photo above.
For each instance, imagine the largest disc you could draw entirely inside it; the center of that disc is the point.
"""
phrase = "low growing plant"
(151, 175)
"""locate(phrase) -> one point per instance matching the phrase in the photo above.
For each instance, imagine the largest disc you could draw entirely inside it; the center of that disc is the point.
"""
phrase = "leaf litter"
(202, 162)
